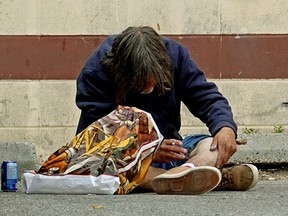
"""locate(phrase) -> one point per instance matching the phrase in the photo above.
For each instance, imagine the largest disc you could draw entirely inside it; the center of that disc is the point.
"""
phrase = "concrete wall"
(37, 90)
(44, 113)
(73, 17)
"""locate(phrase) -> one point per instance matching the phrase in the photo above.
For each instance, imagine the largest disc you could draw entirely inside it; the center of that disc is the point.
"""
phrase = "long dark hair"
(138, 53)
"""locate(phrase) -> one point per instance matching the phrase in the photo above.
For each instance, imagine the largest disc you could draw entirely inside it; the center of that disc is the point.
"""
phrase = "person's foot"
(187, 181)
(238, 178)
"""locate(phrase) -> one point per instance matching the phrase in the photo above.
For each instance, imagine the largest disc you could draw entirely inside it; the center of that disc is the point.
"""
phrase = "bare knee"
(202, 155)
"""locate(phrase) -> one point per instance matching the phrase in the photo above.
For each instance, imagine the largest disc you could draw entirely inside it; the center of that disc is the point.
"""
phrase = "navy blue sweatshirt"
(96, 94)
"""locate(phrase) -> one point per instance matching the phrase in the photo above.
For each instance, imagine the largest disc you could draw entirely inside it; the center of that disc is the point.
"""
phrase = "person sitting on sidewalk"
(140, 68)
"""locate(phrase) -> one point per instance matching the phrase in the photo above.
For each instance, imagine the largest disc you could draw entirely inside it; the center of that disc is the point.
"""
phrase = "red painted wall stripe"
(219, 56)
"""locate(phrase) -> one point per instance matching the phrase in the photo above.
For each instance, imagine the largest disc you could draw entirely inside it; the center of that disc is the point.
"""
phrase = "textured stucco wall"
(73, 17)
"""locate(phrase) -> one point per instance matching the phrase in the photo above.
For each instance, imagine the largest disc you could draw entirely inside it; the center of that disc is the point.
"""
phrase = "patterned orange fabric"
(119, 144)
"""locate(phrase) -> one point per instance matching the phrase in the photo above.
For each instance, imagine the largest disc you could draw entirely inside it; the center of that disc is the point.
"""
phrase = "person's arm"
(205, 102)
(95, 97)
(203, 98)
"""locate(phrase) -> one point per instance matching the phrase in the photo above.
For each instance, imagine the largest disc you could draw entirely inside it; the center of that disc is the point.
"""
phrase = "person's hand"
(225, 141)
(169, 150)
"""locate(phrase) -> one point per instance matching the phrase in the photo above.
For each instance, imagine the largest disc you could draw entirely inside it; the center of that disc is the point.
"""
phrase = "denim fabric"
(189, 142)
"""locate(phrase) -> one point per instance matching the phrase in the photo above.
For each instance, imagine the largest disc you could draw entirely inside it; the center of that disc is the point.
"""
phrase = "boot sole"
(194, 181)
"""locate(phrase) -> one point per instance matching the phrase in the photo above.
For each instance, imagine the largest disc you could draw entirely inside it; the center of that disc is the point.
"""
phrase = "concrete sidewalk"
(266, 198)
(261, 149)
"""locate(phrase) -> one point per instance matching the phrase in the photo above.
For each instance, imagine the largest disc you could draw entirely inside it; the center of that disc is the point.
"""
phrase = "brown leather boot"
(238, 178)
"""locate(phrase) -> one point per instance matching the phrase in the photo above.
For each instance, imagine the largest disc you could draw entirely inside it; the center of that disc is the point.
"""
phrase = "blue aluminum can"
(9, 176)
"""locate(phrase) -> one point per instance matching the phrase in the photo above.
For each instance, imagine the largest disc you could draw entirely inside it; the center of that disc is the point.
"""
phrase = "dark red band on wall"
(219, 56)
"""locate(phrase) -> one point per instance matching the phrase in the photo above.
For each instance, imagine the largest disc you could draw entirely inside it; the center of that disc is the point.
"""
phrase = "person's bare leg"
(146, 183)
(200, 156)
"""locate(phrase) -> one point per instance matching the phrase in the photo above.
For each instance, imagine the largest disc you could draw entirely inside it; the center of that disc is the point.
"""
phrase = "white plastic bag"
(69, 184)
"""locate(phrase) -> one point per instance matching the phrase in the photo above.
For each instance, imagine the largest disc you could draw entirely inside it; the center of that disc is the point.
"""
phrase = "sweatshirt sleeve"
(202, 97)
(95, 94)
(94, 97)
